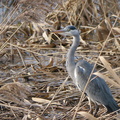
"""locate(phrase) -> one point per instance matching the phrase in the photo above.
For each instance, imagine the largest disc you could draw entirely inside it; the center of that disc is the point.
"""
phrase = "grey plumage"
(97, 89)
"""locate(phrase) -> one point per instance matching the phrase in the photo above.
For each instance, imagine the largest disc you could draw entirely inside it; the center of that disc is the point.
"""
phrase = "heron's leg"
(96, 109)
(89, 102)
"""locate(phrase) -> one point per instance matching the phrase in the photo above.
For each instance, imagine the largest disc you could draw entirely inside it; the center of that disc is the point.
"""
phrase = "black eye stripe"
(70, 27)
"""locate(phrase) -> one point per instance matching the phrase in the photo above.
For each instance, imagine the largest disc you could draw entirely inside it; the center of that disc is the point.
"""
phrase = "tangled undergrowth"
(33, 78)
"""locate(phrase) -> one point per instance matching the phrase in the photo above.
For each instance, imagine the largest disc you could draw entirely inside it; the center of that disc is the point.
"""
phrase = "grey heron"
(97, 89)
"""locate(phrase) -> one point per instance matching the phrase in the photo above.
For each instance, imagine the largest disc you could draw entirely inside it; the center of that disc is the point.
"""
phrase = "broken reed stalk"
(17, 108)
(6, 20)
(21, 57)
(4, 45)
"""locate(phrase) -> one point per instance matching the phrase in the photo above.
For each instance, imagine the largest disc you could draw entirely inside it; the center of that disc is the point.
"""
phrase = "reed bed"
(33, 78)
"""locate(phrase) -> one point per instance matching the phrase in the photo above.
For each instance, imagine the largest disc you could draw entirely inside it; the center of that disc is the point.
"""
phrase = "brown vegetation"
(33, 78)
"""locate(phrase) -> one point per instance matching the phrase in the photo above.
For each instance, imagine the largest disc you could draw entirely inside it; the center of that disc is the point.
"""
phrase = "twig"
(58, 90)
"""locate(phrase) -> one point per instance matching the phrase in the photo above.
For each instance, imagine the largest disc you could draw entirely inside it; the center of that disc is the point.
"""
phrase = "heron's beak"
(58, 31)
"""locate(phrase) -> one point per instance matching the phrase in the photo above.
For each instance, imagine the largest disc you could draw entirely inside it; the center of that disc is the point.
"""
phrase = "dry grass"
(33, 78)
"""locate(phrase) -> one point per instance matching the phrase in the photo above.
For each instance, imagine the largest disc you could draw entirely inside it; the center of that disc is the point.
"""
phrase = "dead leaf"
(116, 30)
(47, 35)
(109, 68)
(87, 115)
(43, 101)
(117, 44)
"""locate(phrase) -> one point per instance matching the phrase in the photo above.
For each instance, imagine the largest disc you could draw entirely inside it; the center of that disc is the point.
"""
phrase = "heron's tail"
(112, 106)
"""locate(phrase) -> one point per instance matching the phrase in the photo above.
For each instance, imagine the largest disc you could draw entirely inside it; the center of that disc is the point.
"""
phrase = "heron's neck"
(71, 52)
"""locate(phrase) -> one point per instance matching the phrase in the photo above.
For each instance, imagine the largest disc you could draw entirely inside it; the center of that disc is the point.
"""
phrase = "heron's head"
(68, 31)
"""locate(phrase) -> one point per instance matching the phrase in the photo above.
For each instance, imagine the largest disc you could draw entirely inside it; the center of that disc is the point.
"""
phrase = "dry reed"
(38, 62)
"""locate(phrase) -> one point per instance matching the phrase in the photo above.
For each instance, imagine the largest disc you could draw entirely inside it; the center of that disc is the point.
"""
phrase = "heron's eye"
(68, 29)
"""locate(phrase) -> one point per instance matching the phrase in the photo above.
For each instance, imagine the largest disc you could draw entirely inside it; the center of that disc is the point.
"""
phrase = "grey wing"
(80, 78)
(82, 72)
(87, 66)
(97, 90)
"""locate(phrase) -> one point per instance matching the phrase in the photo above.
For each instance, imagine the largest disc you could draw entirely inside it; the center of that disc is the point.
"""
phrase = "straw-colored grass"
(33, 78)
